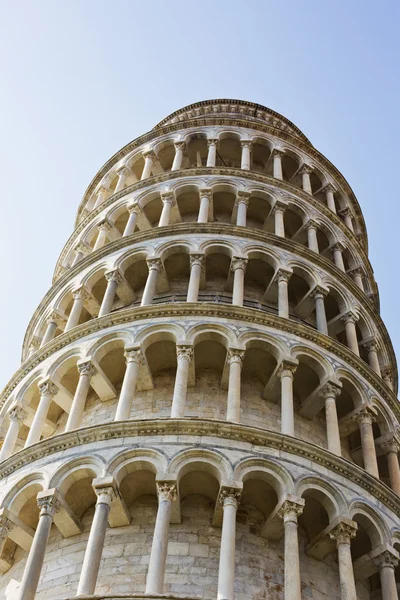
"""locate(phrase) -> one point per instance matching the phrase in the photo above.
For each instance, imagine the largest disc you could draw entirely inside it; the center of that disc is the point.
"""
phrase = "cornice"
(261, 438)
(216, 311)
(203, 122)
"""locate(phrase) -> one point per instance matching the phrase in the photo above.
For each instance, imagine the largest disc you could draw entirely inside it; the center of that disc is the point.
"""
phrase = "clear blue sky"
(80, 79)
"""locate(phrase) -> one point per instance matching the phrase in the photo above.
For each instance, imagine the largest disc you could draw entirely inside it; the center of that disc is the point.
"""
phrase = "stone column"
(54, 322)
(329, 392)
(95, 543)
(242, 202)
(391, 448)
(346, 214)
(149, 159)
(104, 229)
(47, 390)
(350, 320)
(312, 228)
(305, 172)
(238, 266)
(178, 158)
(17, 416)
(212, 152)
(48, 506)
(386, 563)
(204, 210)
(229, 498)
(113, 278)
(102, 194)
(365, 419)
(387, 376)
(235, 359)
(277, 163)
(134, 212)
(86, 370)
(291, 509)
(278, 211)
(154, 265)
(134, 359)
(357, 276)
(342, 535)
(338, 257)
(282, 277)
(184, 353)
(168, 201)
(79, 295)
(81, 250)
(196, 264)
(158, 556)
(34, 345)
(319, 293)
(330, 198)
(287, 371)
(373, 361)
(123, 173)
(245, 162)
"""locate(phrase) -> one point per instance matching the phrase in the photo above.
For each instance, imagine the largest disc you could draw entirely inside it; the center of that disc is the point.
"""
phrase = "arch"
(271, 472)
(201, 459)
(326, 493)
(376, 528)
(136, 459)
(75, 469)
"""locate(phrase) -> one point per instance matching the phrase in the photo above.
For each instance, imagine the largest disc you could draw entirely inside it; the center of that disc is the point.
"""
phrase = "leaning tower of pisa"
(206, 406)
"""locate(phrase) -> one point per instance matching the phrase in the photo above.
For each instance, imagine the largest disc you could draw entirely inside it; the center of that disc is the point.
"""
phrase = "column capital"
(319, 291)
(242, 197)
(212, 141)
(184, 352)
(34, 344)
(134, 207)
(279, 206)
(330, 390)
(166, 491)
(283, 274)
(105, 490)
(329, 188)
(113, 275)
(48, 503)
(312, 224)
(291, 509)
(344, 532)
(345, 212)
(338, 246)
(246, 143)
(82, 247)
(17, 413)
(123, 170)
(205, 193)
(370, 344)
(388, 558)
(306, 169)
(356, 271)
(180, 145)
(86, 367)
(80, 293)
(277, 152)
(238, 263)
(47, 387)
(390, 445)
(105, 225)
(229, 496)
(350, 317)
(235, 355)
(149, 153)
(366, 415)
(57, 318)
(168, 197)
(134, 354)
(287, 368)
(154, 264)
(196, 259)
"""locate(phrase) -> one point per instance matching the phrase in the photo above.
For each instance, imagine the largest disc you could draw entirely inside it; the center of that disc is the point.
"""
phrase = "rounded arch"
(376, 528)
(324, 492)
(17, 496)
(199, 459)
(76, 469)
(261, 468)
(105, 343)
(137, 459)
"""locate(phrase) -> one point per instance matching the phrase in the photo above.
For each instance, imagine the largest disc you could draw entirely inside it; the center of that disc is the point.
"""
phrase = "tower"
(206, 406)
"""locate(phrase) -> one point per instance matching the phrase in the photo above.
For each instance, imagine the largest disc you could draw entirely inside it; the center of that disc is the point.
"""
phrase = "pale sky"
(80, 79)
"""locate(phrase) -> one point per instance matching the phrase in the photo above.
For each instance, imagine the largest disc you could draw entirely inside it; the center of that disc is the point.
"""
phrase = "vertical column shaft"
(17, 415)
(229, 498)
(287, 372)
(342, 534)
(196, 263)
(86, 370)
(47, 391)
(184, 356)
(134, 211)
(245, 162)
(134, 359)
(154, 265)
(113, 280)
(238, 266)
(289, 512)
(235, 359)
(212, 152)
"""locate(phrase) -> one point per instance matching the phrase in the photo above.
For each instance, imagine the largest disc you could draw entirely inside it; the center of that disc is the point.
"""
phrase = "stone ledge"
(136, 597)
(208, 428)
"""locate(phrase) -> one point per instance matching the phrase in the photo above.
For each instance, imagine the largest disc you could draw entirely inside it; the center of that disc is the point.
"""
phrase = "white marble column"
(289, 512)
(134, 212)
(357, 274)
(134, 359)
(277, 163)
(350, 320)
(95, 543)
(79, 295)
(48, 506)
(312, 228)
(81, 250)
(373, 361)
(184, 354)
(123, 173)
(168, 201)
(387, 376)
(342, 535)
(47, 391)
(204, 210)
(102, 194)
(54, 322)
(246, 158)
(158, 556)
(235, 359)
(212, 152)
(338, 256)
(329, 392)
(242, 202)
(149, 159)
(196, 265)
(386, 563)
(229, 498)
(282, 277)
(113, 278)
(178, 158)
(155, 266)
(104, 229)
(391, 449)
(287, 372)
(319, 293)
(346, 214)
(17, 416)
(86, 370)
(278, 211)
(238, 266)
(365, 419)
(305, 172)
(330, 198)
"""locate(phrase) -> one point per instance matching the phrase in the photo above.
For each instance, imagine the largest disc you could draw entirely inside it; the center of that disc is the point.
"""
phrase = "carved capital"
(283, 275)
(104, 225)
(48, 505)
(339, 247)
(205, 193)
(287, 369)
(80, 293)
(184, 352)
(154, 264)
(370, 344)
(291, 509)
(246, 143)
(134, 355)
(330, 390)
(243, 197)
(123, 171)
(390, 445)
(387, 559)
(235, 355)
(17, 413)
(350, 317)
(56, 318)
(311, 224)
(47, 388)
(277, 152)
(86, 368)
(180, 145)
(229, 496)
(305, 169)
(168, 198)
(318, 292)
(82, 248)
(238, 263)
(279, 206)
(114, 275)
(196, 259)
(366, 416)
(343, 533)
(134, 208)
(329, 188)
(212, 142)
(166, 491)
(345, 212)
(149, 154)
